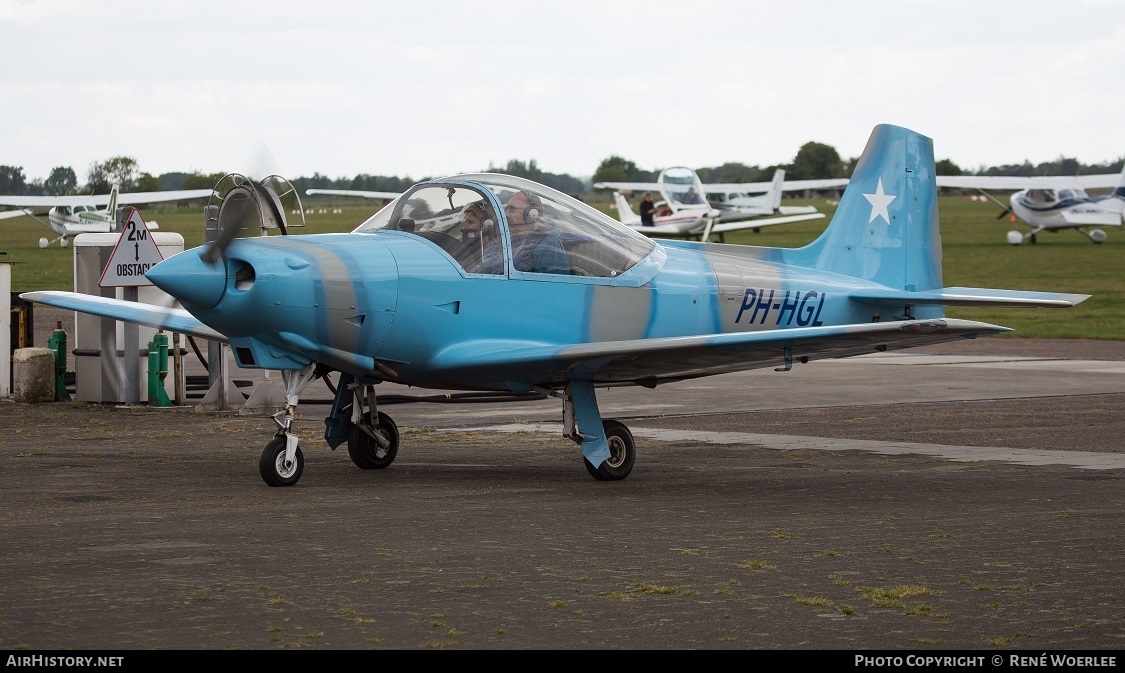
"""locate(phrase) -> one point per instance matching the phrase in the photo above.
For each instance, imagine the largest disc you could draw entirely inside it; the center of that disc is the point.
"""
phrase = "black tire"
(365, 452)
(273, 468)
(622, 450)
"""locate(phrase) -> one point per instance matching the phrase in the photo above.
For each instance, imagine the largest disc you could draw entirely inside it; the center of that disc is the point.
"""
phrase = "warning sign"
(134, 254)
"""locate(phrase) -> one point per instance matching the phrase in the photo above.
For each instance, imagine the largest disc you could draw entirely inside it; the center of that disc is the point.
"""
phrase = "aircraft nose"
(191, 279)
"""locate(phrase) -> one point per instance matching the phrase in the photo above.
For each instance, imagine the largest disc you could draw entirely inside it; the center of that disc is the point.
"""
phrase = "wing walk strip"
(966, 454)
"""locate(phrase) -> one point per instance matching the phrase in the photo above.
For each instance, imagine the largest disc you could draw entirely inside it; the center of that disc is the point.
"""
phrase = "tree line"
(814, 160)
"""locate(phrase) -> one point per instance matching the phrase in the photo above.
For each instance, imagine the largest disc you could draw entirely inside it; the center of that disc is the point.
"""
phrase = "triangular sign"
(134, 254)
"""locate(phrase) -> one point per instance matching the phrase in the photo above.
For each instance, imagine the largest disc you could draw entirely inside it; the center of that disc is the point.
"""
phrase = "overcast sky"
(429, 87)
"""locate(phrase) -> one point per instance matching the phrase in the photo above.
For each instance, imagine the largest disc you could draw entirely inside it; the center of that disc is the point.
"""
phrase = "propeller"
(243, 201)
(237, 203)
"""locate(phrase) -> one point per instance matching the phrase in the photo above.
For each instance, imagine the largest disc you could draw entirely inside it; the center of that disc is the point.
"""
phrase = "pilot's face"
(515, 209)
(472, 222)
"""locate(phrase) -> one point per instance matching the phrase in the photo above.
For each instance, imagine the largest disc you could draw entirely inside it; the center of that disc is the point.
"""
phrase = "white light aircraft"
(73, 215)
(1053, 203)
(684, 212)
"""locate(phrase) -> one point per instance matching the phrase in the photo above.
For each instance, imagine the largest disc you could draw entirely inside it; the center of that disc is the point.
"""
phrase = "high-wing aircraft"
(73, 215)
(684, 210)
(1053, 203)
(505, 309)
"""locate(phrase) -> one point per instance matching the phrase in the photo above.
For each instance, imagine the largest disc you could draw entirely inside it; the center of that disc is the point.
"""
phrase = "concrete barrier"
(33, 375)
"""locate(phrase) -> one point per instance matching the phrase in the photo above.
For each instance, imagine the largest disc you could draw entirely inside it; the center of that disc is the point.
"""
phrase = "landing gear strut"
(608, 449)
(282, 462)
(372, 436)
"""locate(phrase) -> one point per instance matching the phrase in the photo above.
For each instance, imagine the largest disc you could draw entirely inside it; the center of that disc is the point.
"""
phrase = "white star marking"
(879, 202)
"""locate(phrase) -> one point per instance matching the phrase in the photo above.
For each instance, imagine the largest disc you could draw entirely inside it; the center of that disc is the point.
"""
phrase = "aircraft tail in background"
(624, 211)
(776, 190)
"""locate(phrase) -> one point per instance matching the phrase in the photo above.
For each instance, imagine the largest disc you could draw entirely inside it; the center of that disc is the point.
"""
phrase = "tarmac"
(963, 497)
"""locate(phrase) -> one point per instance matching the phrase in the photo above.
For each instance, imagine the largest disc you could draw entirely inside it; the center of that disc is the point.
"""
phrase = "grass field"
(975, 254)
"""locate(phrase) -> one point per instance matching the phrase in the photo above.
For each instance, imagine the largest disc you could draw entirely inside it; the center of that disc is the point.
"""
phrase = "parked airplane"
(1053, 203)
(395, 302)
(684, 211)
(73, 215)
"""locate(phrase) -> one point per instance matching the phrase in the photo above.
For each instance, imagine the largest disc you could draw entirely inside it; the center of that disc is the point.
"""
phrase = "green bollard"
(57, 343)
(158, 371)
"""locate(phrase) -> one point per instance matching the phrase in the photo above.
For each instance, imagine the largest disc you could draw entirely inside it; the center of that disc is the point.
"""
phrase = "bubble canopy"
(596, 244)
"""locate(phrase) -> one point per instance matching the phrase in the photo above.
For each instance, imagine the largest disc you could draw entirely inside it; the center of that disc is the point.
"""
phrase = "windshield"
(681, 185)
(593, 244)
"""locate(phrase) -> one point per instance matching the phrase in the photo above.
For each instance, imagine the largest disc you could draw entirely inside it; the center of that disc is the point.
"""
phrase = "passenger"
(480, 251)
(536, 246)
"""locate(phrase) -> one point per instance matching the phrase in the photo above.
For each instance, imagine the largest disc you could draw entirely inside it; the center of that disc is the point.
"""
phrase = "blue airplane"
(495, 283)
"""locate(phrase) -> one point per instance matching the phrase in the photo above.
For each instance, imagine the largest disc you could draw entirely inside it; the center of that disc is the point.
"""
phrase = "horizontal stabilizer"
(971, 296)
(160, 317)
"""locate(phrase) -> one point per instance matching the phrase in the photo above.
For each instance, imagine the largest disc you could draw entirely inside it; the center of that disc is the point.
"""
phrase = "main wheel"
(275, 471)
(365, 452)
(622, 453)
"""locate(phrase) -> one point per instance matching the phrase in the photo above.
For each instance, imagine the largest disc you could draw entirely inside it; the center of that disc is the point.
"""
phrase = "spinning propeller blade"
(242, 202)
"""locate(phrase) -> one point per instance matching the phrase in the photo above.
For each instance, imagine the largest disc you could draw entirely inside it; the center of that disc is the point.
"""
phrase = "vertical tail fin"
(774, 195)
(885, 229)
(625, 211)
(112, 207)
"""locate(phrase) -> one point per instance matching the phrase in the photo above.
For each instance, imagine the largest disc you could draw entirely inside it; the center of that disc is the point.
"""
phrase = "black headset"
(534, 206)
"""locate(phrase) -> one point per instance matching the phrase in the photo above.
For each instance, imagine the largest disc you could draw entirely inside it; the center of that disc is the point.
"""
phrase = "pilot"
(691, 196)
(480, 246)
(536, 246)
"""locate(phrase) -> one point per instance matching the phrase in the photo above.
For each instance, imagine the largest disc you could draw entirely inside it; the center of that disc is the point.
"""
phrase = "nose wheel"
(277, 468)
(282, 462)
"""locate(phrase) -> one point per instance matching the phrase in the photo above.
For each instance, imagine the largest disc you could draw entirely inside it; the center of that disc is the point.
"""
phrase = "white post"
(5, 329)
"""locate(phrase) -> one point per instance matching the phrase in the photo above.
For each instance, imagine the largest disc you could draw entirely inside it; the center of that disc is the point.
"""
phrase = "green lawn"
(976, 254)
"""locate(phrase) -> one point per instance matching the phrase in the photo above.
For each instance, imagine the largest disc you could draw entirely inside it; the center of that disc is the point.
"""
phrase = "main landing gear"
(608, 449)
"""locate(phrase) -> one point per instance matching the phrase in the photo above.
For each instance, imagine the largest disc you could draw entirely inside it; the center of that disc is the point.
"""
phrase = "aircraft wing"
(160, 317)
(14, 213)
(786, 186)
(354, 192)
(159, 197)
(1106, 180)
(652, 361)
(629, 186)
(723, 227)
(123, 199)
(748, 187)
